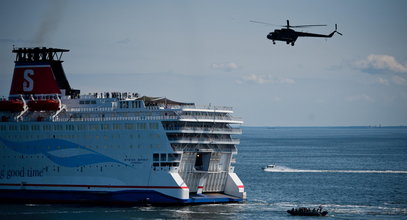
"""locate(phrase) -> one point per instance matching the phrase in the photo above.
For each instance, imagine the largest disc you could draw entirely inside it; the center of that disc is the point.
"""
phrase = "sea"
(352, 172)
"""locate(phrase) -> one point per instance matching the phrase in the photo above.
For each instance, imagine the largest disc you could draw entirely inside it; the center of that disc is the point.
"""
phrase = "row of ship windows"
(166, 164)
(83, 135)
(166, 160)
(139, 146)
(81, 127)
(166, 157)
(130, 104)
(87, 102)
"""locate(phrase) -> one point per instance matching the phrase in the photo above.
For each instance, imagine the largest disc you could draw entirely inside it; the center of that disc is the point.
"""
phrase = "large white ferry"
(59, 146)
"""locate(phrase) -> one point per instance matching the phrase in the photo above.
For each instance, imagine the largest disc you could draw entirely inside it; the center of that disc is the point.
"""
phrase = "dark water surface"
(355, 173)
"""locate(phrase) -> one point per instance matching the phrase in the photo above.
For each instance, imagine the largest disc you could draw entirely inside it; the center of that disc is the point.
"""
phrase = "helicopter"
(289, 35)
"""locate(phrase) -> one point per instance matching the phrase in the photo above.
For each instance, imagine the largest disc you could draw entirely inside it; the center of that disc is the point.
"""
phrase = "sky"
(208, 52)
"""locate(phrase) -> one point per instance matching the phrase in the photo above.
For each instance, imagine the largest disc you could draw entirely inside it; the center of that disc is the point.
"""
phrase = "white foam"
(283, 169)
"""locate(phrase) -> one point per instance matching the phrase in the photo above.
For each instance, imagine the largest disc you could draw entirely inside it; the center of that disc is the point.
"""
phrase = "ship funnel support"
(39, 71)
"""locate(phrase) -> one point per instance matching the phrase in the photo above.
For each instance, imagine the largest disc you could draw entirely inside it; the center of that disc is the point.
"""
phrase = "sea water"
(354, 173)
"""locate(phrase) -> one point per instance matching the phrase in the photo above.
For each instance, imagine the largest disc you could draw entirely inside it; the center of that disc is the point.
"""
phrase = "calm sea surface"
(355, 173)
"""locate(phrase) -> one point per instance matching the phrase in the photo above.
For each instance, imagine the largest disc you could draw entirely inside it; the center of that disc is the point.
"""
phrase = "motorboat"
(269, 167)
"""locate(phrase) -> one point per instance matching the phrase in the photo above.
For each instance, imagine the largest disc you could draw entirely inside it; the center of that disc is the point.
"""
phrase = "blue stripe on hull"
(100, 197)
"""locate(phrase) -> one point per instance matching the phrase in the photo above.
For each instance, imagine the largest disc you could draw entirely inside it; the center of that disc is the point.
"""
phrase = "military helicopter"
(290, 36)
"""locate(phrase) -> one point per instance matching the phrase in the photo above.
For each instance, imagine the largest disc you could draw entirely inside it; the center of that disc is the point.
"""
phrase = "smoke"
(49, 22)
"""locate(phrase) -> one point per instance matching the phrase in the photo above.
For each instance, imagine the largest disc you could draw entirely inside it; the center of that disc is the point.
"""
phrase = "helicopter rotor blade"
(307, 25)
(260, 22)
(288, 24)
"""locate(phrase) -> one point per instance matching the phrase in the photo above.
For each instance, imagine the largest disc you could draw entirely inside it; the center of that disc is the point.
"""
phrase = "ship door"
(202, 161)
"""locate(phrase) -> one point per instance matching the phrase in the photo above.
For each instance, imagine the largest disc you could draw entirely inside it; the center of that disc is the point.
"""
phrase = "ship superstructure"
(58, 145)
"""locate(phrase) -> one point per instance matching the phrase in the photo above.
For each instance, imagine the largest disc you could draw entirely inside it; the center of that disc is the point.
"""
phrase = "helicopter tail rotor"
(336, 27)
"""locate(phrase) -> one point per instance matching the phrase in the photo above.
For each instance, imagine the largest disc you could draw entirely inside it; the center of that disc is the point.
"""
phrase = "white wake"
(283, 169)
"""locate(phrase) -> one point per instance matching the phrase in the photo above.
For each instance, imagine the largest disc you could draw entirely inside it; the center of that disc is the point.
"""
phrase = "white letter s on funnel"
(28, 83)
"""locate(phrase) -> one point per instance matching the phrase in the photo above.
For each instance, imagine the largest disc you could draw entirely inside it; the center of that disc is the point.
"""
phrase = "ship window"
(35, 127)
(128, 126)
(117, 126)
(58, 127)
(202, 161)
(153, 125)
(137, 104)
(174, 157)
(81, 127)
(123, 105)
(105, 126)
(156, 157)
(163, 157)
(12, 127)
(70, 127)
(93, 102)
(24, 127)
(46, 127)
(93, 127)
(166, 164)
(81, 102)
(3, 128)
(161, 160)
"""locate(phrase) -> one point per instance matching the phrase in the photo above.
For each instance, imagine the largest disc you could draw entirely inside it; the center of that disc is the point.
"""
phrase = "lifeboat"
(14, 105)
(43, 105)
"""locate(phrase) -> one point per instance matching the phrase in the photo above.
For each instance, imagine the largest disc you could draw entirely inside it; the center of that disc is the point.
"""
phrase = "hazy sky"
(208, 52)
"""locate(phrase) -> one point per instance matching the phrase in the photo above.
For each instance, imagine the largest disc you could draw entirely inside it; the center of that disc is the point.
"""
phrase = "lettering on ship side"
(23, 172)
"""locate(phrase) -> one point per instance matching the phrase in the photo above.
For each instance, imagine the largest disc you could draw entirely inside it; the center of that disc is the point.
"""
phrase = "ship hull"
(123, 197)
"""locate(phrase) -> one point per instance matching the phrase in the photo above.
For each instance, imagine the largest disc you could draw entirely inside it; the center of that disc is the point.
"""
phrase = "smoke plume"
(49, 22)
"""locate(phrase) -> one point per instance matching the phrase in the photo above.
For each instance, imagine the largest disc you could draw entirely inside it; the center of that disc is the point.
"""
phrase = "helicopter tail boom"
(304, 34)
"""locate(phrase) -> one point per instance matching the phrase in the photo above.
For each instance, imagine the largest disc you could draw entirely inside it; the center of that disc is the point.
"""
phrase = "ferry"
(58, 146)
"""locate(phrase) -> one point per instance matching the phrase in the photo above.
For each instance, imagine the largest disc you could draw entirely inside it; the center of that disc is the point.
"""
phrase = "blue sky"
(208, 52)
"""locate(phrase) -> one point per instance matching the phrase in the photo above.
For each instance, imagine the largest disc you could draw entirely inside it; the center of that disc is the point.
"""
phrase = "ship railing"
(184, 107)
(162, 118)
(208, 107)
(180, 107)
(204, 140)
(210, 117)
(204, 129)
(95, 109)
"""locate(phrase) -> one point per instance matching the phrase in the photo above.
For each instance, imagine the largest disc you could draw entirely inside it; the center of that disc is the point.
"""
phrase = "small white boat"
(269, 167)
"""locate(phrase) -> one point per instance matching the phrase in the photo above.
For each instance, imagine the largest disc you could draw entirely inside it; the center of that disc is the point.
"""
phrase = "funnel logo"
(34, 79)
(28, 83)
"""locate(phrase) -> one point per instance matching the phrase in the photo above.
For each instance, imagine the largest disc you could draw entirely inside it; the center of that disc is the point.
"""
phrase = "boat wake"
(283, 169)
